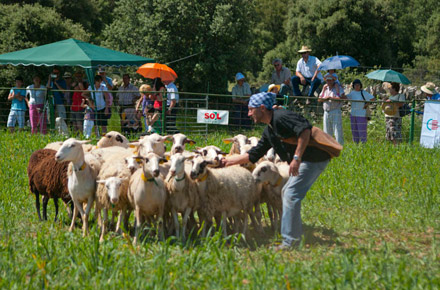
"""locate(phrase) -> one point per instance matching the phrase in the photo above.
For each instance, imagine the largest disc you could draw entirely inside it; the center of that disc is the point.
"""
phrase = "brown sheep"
(48, 178)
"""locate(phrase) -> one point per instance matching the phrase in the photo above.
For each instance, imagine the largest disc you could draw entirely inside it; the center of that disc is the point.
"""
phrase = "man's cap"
(67, 75)
(239, 76)
(265, 99)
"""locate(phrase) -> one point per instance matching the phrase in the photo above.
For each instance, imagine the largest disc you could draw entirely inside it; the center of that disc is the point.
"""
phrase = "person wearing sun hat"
(331, 96)
(306, 162)
(306, 72)
(429, 90)
(240, 93)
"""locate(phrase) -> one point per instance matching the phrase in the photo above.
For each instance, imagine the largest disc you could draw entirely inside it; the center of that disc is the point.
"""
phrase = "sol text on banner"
(213, 117)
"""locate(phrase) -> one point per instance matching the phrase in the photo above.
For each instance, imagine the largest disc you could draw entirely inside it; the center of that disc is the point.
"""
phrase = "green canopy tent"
(72, 52)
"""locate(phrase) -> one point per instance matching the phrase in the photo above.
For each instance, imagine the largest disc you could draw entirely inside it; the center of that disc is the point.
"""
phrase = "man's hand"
(294, 168)
(303, 81)
(287, 82)
(168, 112)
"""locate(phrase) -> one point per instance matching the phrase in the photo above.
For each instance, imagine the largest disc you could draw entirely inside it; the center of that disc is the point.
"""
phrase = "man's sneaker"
(282, 247)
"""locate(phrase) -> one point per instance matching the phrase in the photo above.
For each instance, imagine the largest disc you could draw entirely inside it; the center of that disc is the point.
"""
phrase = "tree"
(29, 26)
(219, 32)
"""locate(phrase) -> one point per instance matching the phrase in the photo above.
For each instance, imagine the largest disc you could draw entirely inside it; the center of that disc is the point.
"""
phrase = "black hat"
(357, 81)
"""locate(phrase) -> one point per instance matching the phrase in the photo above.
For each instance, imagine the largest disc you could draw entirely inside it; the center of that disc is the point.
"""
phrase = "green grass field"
(371, 221)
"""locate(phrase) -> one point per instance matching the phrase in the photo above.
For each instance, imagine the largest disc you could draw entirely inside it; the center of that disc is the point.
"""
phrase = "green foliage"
(29, 26)
(170, 30)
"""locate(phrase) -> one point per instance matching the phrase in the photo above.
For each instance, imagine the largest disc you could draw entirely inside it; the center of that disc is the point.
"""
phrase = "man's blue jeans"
(296, 81)
(293, 192)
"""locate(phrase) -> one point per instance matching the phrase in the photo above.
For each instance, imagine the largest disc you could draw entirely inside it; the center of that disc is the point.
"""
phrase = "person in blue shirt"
(58, 84)
(429, 90)
(18, 108)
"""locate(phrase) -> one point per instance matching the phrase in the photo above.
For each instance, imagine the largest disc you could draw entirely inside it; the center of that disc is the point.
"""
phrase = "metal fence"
(185, 120)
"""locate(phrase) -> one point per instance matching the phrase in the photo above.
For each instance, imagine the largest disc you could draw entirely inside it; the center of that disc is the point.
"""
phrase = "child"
(89, 116)
(18, 107)
(147, 102)
(131, 120)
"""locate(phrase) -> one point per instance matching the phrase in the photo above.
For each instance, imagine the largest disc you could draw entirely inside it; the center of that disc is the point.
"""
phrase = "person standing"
(77, 109)
(67, 93)
(127, 94)
(281, 76)
(306, 162)
(358, 114)
(172, 107)
(307, 72)
(18, 106)
(392, 116)
(101, 103)
(331, 97)
(58, 84)
(243, 90)
(35, 97)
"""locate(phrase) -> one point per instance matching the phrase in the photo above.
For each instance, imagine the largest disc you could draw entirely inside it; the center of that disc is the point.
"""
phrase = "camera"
(53, 76)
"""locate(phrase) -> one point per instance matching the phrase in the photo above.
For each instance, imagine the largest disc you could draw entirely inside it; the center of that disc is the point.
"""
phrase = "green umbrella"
(388, 75)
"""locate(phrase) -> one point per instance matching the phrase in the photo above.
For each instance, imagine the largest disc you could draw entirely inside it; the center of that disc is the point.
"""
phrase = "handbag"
(404, 110)
(320, 140)
(366, 107)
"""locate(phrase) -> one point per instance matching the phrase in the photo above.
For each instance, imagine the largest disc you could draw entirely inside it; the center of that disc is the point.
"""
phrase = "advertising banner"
(213, 117)
(430, 137)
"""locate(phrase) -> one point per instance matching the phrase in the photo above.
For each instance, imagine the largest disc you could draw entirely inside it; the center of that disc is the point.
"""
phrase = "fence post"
(413, 116)
(164, 105)
(206, 125)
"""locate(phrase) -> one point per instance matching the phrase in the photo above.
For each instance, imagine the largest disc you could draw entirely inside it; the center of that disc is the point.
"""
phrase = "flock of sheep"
(141, 177)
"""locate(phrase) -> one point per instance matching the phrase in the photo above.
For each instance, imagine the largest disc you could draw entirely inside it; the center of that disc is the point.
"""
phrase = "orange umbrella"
(157, 70)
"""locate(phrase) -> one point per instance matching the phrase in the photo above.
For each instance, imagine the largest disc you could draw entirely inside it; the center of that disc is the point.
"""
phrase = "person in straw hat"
(306, 72)
(306, 162)
(429, 90)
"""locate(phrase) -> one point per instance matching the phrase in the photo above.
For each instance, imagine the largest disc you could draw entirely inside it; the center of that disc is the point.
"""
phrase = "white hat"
(239, 76)
(429, 88)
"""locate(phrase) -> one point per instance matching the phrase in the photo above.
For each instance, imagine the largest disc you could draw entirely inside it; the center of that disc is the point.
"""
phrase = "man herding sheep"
(306, 162)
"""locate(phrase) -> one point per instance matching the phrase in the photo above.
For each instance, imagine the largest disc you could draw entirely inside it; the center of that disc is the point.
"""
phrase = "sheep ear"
(168, 138)
(134, 144)
(100, 181)
(84, 141)
(228, 140)
(191, 142)
(190, 157)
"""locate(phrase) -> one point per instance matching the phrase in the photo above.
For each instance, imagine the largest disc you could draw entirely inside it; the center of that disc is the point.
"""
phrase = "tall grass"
(371, 221)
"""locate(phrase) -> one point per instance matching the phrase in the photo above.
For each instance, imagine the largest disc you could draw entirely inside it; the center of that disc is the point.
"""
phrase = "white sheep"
(211, 152)
(253, 141)
(183, 196)
(152, 143)
(81, 174)
(237, 141)
(111, 193)
(273, 177)
(226, 192)
(113, 138)
(179, 141)
(147, 193)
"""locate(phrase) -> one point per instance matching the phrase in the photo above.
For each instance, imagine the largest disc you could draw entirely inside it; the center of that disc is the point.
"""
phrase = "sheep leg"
(86, 216)
(37, 205)
(45, 202)
(126, 219)
(137, 215)
(55, 201)
(271, 215)
(245, 224)
(104, 225)
(77, 207)
(176, 221)
(185, 221)
(121, 216)
(223, 224)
